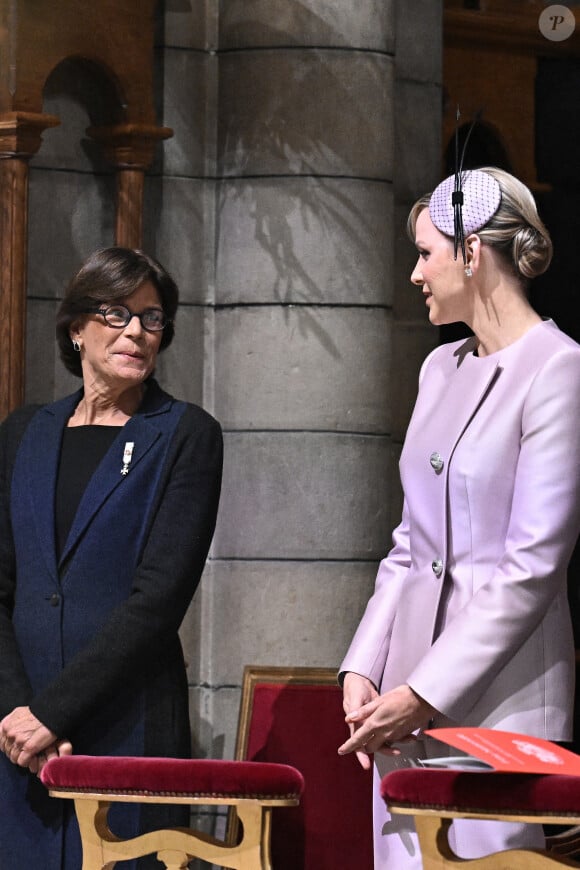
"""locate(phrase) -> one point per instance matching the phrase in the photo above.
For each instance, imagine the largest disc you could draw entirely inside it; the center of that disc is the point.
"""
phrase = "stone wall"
(304, 129)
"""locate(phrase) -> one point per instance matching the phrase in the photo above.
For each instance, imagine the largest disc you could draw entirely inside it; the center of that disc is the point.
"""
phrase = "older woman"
(108, 502)
(469, 622)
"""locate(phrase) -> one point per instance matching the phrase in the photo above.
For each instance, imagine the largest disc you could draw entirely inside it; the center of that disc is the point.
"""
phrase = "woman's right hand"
(24, 739)
(357, 691)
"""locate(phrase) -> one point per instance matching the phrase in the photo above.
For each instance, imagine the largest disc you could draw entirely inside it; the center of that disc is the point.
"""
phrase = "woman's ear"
(76, 326)
(473, 251)
(74, 331)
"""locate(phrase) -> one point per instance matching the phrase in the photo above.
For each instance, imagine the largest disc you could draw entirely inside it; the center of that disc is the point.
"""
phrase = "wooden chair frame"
(255, 674)
(433, 828)
(174, 847)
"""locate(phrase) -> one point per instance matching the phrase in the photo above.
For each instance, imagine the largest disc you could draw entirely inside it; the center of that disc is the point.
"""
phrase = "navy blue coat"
(90, 641)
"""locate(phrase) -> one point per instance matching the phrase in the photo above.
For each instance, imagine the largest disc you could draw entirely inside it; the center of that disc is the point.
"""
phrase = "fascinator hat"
(464, 202)
(459, 210)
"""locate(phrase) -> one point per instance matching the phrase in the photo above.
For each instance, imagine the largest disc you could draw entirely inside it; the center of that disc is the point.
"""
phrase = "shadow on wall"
(309, 240)
(304, 149)
(296, 21)
(71, 212)
(72, 187)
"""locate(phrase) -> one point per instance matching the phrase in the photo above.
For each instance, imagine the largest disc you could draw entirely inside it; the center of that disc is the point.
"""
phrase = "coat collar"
(43, 455)
(453, 386)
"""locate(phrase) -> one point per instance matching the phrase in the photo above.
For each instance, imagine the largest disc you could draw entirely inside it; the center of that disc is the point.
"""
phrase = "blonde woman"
(469, 623)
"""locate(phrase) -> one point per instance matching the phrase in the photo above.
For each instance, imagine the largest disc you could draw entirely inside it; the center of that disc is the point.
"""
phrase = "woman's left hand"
(23, 736)
(55, 750)
(390, 718)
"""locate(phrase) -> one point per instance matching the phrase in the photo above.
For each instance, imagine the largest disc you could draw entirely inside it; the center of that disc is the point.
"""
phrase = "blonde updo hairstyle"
(515, 230)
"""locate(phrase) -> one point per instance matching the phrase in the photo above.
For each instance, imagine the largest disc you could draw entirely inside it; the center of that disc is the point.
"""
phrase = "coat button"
(54, 599)
(436, 461)
(437, 567)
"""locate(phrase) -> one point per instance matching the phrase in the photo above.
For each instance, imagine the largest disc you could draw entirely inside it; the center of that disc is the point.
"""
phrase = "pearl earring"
(468, 272)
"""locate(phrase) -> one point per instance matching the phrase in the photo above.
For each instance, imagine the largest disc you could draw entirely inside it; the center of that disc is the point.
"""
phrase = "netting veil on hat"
(458, 209)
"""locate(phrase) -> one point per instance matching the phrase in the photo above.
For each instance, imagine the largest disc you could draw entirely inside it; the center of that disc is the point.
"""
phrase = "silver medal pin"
(127, 455)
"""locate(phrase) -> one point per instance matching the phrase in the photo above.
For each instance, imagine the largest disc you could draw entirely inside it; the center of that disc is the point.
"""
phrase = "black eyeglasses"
(119, 316)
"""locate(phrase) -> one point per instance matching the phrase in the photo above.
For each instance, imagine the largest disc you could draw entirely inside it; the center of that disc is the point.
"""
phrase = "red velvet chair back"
(294, 716)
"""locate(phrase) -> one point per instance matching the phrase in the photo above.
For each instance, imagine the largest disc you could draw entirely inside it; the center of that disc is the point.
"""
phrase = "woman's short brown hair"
(106, 276)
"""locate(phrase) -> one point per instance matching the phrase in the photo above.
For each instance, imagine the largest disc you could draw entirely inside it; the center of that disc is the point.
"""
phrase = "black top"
(82, 449)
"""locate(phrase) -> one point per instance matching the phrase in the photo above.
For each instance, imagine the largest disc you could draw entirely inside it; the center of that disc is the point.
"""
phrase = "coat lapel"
(142, 431)
(474, 379)
(40, 456)
(142, 434)
(40, 461)
(451, 398)
(446, 405)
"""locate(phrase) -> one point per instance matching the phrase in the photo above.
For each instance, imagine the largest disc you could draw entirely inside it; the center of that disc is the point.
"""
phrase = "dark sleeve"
(15, 689)
(139, 629)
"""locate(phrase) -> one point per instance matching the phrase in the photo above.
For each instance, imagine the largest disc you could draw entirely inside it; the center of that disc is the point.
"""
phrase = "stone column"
(302, 133)
(323, 140)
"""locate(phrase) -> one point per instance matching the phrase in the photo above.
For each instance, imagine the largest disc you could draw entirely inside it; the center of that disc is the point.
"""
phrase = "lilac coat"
(470, 606)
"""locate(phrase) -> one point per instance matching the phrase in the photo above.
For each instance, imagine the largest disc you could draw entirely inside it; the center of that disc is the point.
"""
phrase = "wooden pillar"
(129, 211)
(130, 148)
(20, 137)
(115, 37)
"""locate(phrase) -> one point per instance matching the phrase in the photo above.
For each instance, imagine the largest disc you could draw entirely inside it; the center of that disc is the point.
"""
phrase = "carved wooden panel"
(116, 37)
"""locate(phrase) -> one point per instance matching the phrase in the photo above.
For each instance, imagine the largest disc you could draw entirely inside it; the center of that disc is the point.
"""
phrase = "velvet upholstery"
(302, 724)
(487, 792)
(97, 783)
(438, 798)
(172, 776)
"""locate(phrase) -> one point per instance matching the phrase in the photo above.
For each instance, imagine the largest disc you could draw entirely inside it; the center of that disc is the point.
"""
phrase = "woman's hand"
(59, 747)
(357, 692)
(385, 719)
(23, 736)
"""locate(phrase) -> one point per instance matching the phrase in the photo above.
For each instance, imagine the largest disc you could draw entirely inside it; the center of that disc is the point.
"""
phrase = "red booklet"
(504, 750)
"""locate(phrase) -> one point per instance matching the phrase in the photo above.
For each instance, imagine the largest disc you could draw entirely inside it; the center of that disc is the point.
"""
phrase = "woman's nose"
(417, 275)
(134, 327)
